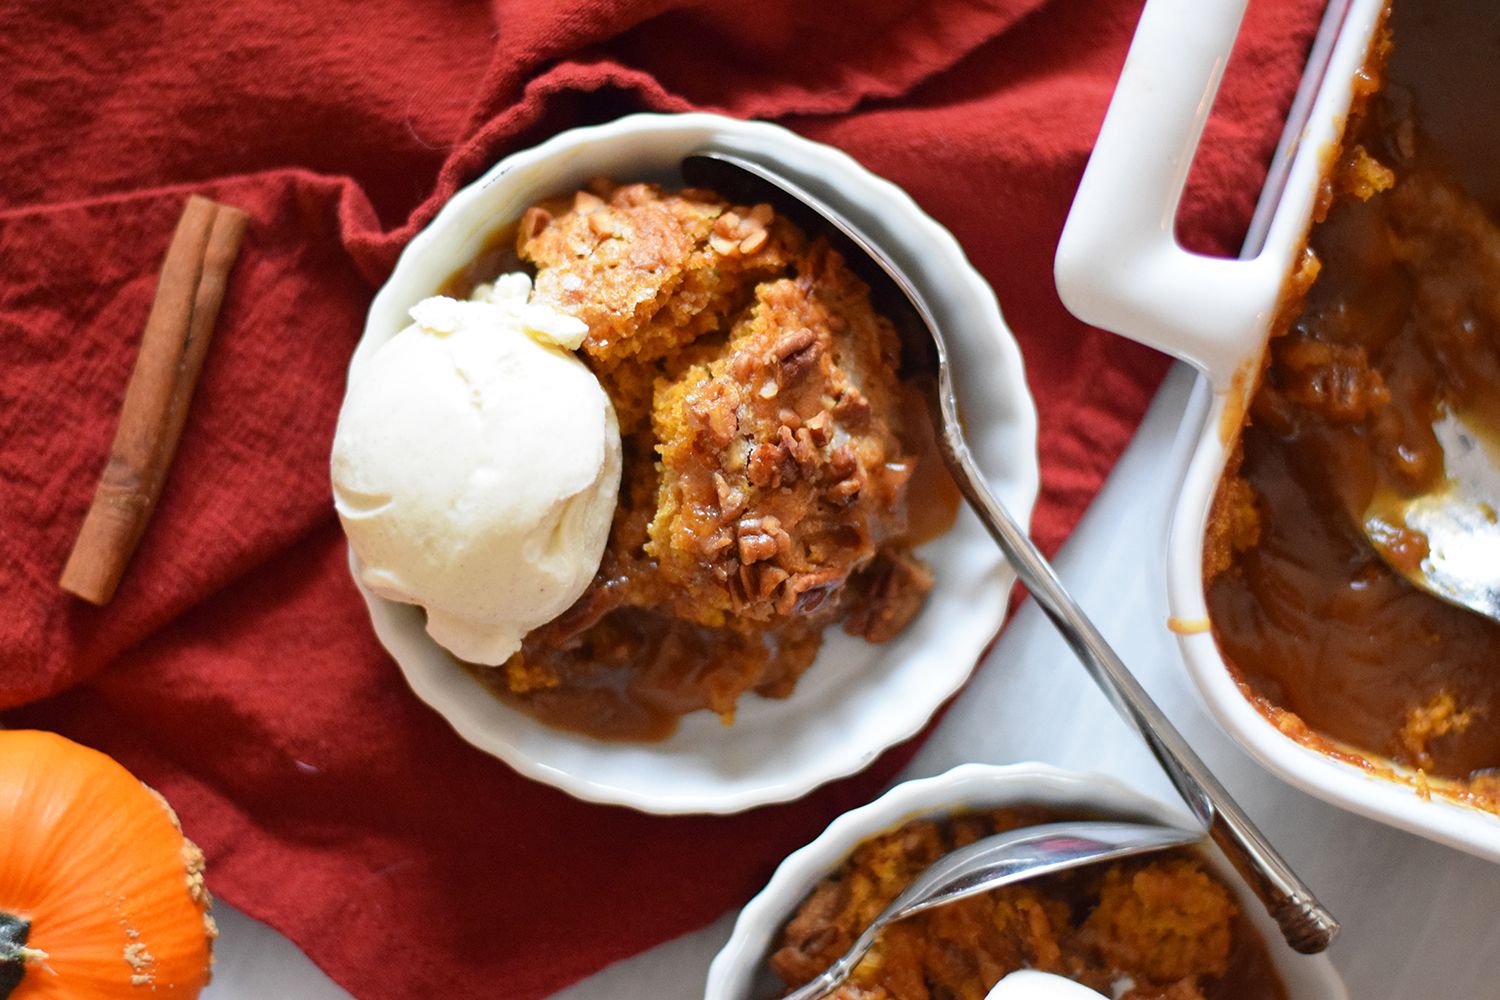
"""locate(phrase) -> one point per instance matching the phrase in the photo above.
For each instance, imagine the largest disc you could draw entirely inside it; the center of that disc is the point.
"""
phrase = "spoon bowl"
(1306, 924)
(1446, 539)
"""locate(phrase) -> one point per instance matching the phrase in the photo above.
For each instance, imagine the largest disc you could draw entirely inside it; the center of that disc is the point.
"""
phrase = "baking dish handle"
(1119, 265)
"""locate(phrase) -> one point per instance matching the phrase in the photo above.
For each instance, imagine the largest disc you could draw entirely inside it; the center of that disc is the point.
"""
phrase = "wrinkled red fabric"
(236, 670)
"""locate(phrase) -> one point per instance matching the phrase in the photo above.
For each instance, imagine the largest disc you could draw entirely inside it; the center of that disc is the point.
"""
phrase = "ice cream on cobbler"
(769, 450)
(475, 468)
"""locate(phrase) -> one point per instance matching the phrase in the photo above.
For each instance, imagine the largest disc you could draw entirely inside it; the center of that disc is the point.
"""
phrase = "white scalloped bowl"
(857, 699)
(739, 971)
(1119, 267)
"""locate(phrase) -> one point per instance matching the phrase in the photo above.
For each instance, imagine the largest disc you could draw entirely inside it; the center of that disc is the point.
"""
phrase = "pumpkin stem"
(14, 954)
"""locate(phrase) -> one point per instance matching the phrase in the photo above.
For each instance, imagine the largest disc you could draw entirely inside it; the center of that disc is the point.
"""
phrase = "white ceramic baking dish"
(739, 971)
(1120, 267)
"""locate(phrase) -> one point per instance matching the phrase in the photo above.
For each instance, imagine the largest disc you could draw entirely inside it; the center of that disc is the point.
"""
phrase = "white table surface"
(1421, 921)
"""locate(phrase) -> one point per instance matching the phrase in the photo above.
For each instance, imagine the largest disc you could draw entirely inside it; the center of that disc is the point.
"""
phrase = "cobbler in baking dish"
(1396, 320)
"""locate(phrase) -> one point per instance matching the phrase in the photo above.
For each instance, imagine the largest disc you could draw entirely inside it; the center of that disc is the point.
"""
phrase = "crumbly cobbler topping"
(1158, 928)
(768, 461)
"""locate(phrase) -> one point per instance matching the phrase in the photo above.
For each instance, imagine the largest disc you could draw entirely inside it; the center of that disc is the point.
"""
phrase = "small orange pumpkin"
(101, 896)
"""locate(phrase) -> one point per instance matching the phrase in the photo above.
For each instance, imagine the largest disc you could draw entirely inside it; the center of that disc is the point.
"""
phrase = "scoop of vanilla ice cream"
(476, 467)
(1030, 985)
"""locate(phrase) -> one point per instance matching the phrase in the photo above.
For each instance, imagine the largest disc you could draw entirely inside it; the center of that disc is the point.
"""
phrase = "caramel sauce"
(637, 675)
(933, 497)
(497, 256)
(1402, 321)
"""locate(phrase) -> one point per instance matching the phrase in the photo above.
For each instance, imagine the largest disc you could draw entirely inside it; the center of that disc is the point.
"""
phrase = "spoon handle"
(1305, 923)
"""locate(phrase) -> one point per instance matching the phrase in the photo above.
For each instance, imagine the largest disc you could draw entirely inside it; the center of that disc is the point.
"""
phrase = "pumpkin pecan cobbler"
(768, 456)
(1156, 928)
(1391, 323)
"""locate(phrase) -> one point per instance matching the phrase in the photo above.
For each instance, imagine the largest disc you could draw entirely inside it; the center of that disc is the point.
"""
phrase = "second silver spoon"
(1305, 923)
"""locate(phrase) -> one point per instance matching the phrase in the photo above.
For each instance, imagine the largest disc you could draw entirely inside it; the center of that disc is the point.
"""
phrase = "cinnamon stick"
(179, 328)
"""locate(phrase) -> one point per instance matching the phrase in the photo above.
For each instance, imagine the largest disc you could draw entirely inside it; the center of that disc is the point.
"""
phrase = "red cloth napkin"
(236, 670)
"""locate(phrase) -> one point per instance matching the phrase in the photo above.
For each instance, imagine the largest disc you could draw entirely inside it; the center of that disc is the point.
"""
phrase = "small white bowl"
(857, 699)
(740, 972)
(1119, 266)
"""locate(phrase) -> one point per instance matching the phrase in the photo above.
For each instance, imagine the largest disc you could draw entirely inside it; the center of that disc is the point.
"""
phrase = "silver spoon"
(1456, 520)
(1305, 923)
(1001, 859)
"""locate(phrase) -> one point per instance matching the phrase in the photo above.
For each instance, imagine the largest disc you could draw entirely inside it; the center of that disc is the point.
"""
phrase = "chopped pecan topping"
(587, 203)
(845, 490)
(806, 593)
(842, 463)
(713, 543)
(606, 223)
(727, 224)
(849, 478)
(755, 548)
(533, 221)
(711, 413)
(765, 466)
(853, 408)
(768, 579)
(740, 584)
(732, 499)
(735, 234)
(762, 538)
(888, 596)
(798, 445)
(796, 354)
(798, 365)
(742, 367)
(793, 342)
(753, 441)
(819, 426)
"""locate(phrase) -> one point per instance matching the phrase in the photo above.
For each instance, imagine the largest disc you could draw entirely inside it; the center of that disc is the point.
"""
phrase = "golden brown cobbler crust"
(767, 459)
(1160, 928)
